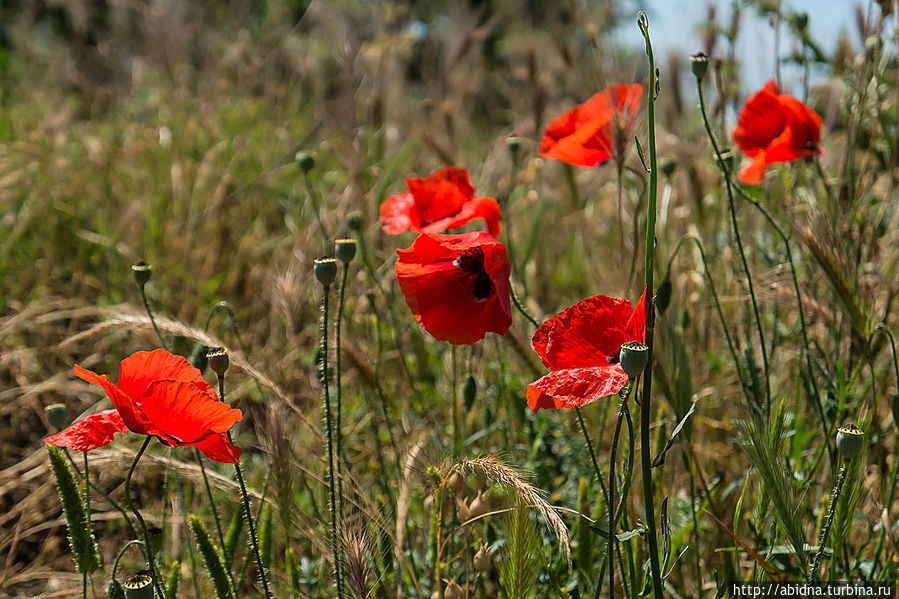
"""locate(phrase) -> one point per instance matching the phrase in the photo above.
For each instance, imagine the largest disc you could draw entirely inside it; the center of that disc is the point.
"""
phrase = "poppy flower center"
(471, 262)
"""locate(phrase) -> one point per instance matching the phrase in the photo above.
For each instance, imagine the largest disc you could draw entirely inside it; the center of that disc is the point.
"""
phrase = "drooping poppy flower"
(774, 127)
(91, 432)
(595, 131)
(161, 394)
(457, 286)
(442, 200)
(581, 345)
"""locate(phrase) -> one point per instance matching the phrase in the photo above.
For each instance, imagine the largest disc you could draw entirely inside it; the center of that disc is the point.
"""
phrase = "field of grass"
(228, 145)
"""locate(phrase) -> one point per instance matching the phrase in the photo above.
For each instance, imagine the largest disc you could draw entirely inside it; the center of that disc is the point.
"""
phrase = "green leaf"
(642, 156)
(660, 459)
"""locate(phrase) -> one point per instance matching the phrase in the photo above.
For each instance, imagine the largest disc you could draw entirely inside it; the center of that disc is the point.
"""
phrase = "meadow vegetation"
(229, 145)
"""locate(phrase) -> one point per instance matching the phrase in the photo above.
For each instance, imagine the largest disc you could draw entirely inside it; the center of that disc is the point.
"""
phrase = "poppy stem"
(87, 514)
(646, 406)
(602, 485)
(733, 216)
(143, 298)
(140, 519)
(822, 541)
(329, 426)
(521, 309)
(339, 425)
(246, 505)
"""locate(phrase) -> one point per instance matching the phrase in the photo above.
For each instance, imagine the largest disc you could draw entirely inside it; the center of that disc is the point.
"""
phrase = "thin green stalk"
(143, 298)
(646, 406)
(87, 513)
(105, 495)
(521, 309)
(115, 564)
(215, 513)
(612, 508)
(329, 425)
(733, 218)
(339, 390)
(813, 574)
(602, 486)
(457, 443)
(313, 197)
(151, 564)
(247, 509)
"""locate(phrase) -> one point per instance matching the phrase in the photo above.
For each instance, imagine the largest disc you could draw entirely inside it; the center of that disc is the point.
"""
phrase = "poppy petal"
(585, 334)
(760, 121)
(455, 301)
(184, 413)
(398, 214)
(575, 387)
(91, 432)
(131, 413)
(441, 194)
(140, 369)
(752, 174)
(218, 448)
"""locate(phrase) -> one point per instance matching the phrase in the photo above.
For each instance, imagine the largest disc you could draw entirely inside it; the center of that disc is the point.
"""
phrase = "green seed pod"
(469, 391)
(667, 165)
(801, 21)
(142, 272)
(634, 357)
(850, 441)
(211, 559)
(139, 586)
(663, 295)
(57, 415)
(345, 250)
(514, 145)
(218, 360)
(305, 161)
(354, 220)
(699, 62)
(114, 590)
(81, 537)
(198, 357)
(171, 586)
(154, 533)
(325, 270)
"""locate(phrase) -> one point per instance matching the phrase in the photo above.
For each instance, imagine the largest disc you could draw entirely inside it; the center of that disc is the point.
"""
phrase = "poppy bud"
(469, 391)
(325, 270)
(850, 441)
(453, 591)
(305, 161)
(634, 357)
(139, 586)
(667, 165)
(198, 357)
(345, 250)
(354, 220)
(699, 62)
(114, 590)
(57, 415)
(482, 559)
(663, 295)
(514, 145)
(154, 534)
(218, 360)
(142, 272)
(801, 21)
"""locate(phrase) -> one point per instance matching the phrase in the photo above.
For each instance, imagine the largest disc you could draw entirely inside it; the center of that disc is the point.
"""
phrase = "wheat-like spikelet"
(358, 562)
(492, 468)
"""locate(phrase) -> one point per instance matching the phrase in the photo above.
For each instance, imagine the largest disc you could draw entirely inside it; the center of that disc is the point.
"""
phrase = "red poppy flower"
(457, 286)
(442, 200)
(91, 432)
(161, 394)
(581, 346)
(600, 128)
(774, 127)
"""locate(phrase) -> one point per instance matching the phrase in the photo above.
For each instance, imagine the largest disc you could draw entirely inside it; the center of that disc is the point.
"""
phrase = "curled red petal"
(140, 369)
(91, 432)
(131, 414)
(585, 334)
(760, 121)
(575, 387)
(182, 412)
(441, 194)
(218, 448)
